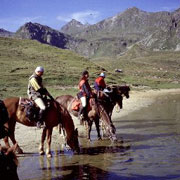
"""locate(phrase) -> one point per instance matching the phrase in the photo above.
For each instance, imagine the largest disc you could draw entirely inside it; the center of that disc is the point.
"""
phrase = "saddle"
(30, 108)
(76, 104)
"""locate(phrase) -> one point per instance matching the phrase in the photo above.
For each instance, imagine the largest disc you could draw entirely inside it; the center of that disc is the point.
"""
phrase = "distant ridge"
(5, 33)
(114, 35)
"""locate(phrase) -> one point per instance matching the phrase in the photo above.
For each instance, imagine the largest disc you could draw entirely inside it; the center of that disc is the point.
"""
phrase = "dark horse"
(55, 114)
(95, 112)
(113, 97)
(109, 99)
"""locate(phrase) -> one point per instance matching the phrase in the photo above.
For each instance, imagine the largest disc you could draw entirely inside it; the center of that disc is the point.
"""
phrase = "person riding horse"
(99, 83)
(100, 86)
(36, 92)
(84, 94)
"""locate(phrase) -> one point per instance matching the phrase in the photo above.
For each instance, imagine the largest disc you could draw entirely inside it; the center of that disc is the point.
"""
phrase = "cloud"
(84, 17)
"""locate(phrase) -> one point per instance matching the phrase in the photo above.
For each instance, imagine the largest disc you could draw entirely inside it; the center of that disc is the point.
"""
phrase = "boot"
(40, 122)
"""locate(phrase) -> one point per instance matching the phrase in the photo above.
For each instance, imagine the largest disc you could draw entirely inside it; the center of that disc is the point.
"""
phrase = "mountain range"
(112, 36)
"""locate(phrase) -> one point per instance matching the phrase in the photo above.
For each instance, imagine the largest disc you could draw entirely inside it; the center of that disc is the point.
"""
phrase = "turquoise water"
(150, 150)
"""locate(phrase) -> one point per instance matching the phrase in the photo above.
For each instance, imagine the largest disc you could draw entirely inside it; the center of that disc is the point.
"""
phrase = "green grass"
(141, 68)
(145, 68)
(19, 58)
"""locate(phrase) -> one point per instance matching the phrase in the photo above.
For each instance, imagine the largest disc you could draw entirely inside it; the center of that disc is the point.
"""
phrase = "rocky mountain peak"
(73, 27)
(43, 34)
(74, 22)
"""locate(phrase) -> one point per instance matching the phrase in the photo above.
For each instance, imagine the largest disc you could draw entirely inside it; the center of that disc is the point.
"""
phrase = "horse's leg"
(43, 137)
(49, 137)
(97, 128)
(88, 128)
(12, 137)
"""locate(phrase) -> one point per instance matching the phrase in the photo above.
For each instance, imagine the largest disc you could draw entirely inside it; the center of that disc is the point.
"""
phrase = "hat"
(39, 69)
(102, 75)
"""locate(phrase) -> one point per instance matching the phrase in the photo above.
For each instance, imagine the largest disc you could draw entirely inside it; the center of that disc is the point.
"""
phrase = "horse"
(8, 163)
(113, 97)
(54, 115)
(95, 113)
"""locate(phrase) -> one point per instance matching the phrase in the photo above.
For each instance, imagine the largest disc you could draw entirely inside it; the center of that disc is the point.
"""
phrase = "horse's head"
(123, 90)
(73, 141)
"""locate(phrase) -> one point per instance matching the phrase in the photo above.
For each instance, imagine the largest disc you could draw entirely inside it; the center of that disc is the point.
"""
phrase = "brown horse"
(8, 163)
(54, 115)
(95, 113)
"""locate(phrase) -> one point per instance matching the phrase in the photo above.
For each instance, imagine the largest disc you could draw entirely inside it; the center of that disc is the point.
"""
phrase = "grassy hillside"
(19, 58)
(142, 67)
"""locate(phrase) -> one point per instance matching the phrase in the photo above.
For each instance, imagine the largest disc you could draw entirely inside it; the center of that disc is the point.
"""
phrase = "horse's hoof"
(49, 155)
(41, 153)
(99, 138)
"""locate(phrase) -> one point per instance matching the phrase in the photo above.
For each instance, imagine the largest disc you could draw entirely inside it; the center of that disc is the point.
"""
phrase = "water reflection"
(150, 150)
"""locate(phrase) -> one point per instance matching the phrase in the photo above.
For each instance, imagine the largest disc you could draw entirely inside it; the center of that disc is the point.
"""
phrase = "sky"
(56, 13)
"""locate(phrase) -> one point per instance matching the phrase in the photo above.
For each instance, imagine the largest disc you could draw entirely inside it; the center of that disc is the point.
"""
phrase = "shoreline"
(29, 137)
(141, 99)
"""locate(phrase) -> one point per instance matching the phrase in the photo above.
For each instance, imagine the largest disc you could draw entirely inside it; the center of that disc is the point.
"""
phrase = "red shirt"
(100, 82)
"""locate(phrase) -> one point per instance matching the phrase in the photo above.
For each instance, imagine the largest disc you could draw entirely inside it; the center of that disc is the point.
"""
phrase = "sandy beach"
(29, 137)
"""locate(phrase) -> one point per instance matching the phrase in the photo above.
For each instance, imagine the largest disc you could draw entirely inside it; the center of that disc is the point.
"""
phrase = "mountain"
(73, 27)
(4, 33)
(112, 36)
(43, 34)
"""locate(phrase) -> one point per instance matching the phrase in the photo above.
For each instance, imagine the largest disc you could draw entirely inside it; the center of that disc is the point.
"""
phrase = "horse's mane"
(65, 117)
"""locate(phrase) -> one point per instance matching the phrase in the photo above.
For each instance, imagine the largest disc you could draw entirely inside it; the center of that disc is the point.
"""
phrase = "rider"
(99, 83)
(84, 94)
(36, 91)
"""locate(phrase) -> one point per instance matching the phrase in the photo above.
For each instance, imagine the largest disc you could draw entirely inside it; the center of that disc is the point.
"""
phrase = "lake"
(148, 148)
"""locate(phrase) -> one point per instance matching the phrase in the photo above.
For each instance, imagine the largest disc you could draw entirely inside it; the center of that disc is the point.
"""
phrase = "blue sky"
(56, 13)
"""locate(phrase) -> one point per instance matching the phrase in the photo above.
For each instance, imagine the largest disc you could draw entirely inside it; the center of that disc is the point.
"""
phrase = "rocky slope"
(4, 33)
(112, 36)
(73, 27)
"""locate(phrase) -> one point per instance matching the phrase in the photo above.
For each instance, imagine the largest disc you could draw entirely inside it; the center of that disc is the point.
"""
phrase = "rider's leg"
(83, 107)
(42, 107)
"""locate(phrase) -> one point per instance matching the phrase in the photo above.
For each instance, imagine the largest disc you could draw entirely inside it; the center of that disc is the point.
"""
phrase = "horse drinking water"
(94, 113)
(54, 115)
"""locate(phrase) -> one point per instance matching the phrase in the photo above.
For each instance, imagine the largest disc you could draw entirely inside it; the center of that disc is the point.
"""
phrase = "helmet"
(102, 75)
(39, 69)
(85, 72)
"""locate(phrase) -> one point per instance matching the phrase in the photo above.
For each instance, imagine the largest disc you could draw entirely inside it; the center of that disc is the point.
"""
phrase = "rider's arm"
(86, 90)
(35, 84)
